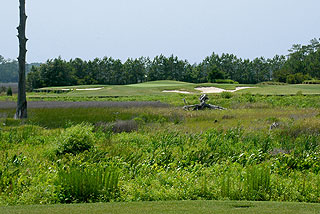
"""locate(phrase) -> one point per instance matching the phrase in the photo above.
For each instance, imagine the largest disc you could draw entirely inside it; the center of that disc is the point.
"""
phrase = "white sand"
(88, 89)
(176, 91)
(209, 90)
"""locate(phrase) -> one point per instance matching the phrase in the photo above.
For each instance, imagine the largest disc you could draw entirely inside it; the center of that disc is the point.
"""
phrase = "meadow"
(92, 146)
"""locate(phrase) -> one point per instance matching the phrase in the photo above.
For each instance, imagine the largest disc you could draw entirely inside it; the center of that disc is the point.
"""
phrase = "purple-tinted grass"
(85, 104)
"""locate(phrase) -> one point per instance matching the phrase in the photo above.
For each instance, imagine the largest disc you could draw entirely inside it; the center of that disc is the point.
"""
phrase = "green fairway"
(284, 89)
(157, 88)
(183, 207)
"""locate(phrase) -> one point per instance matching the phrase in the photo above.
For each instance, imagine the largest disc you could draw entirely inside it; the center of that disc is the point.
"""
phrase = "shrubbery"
(311, 82)
(76, 139)
(9, 91)
(227, 81)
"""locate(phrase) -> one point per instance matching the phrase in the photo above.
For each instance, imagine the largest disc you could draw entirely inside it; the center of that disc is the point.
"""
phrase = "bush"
(227, 81)
(272, 83)
(297, 78)
(76, 139)
(226, 95)
(9, 91)
(311, 82)
(87, 184)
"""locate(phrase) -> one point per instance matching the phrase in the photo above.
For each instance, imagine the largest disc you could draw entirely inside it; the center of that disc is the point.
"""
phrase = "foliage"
(76, 139)
(303, 62)
(214, 74)
(272, 83)
(297, 78)
(228, 81)
(109, 71)
(311, 82)
(78, 184)
(174, 155)
(9, 70)
(9, 91)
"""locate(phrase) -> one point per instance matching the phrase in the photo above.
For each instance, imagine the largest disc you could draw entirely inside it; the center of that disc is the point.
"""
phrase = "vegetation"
(163, 153)
(302, 64)
(9, 91)
(9, 70)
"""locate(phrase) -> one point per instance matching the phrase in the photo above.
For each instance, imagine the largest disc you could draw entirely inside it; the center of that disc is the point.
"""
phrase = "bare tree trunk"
(22, 99)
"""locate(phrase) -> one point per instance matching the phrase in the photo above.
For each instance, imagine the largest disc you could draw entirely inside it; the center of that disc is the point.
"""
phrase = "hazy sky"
(189, 29)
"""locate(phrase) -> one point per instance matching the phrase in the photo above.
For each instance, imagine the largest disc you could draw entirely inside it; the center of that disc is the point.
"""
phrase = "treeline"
(9, 70)
(109, 71)
(302, 63)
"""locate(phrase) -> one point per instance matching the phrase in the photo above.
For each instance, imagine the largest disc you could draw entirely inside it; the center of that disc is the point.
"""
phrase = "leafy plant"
(76, 139)
(80, 184)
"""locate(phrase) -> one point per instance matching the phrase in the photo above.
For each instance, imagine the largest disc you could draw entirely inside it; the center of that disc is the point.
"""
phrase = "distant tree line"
(302, 63)
(9, 70)
(109, 71)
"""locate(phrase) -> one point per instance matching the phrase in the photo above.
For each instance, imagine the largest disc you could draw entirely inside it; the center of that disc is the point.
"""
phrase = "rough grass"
(171, 154)
(58, 114)
(183, 207)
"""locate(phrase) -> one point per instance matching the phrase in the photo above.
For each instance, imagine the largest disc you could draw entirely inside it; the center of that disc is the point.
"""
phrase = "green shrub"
(9, 91)
(272, 83)
(76, 139)
(311, 82)
(297, 78)
(227, 81)
(226, 95)
(87, 184)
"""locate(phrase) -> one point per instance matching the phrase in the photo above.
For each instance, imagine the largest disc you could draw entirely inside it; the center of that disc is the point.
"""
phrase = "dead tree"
(22, 98)
(203, 105)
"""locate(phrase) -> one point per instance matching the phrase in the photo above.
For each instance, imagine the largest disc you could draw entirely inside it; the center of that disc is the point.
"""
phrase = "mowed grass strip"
(178, 207)
(283, 89)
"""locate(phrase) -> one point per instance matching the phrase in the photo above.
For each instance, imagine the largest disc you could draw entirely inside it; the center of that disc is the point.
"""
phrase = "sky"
(189, 29)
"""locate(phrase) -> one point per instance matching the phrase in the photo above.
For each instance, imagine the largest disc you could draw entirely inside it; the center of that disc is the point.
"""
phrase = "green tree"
(215, 73)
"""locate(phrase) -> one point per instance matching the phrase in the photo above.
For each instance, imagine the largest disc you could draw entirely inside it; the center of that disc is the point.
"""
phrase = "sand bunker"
(209, 90)
(176, 91)
(88, 89)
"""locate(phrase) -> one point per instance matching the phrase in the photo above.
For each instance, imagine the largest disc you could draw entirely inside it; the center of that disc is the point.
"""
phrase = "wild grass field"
(262, 148)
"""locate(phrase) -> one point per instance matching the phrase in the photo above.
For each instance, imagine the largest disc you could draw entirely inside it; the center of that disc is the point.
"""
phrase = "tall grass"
(79, 184)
